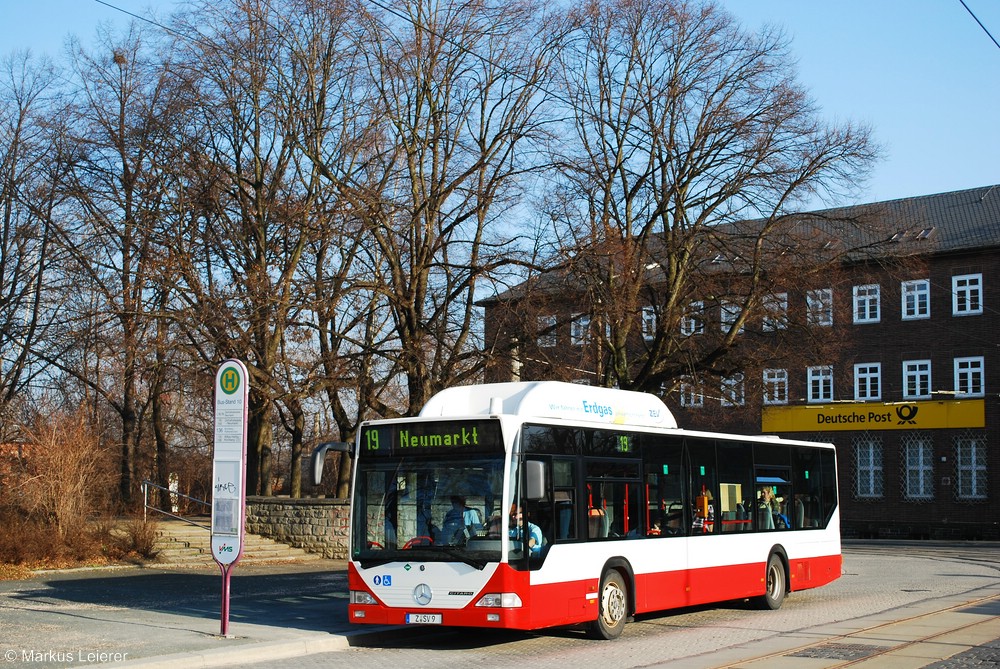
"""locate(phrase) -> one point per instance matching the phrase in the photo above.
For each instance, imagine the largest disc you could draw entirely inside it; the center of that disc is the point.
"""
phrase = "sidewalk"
(169, 617)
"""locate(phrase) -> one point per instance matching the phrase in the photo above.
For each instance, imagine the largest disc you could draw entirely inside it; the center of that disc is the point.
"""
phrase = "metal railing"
(171, 495)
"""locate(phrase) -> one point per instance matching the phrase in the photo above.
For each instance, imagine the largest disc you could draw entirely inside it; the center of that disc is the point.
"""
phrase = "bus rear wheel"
(776, 584)
(612, 607)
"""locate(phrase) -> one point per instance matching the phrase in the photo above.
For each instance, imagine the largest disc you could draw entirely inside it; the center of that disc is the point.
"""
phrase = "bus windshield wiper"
(458, 554)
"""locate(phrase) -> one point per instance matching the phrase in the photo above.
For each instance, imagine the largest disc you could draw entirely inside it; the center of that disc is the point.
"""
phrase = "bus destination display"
(475, 436)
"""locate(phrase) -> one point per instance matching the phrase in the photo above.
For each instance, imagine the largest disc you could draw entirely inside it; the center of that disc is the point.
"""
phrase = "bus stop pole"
(225, 599)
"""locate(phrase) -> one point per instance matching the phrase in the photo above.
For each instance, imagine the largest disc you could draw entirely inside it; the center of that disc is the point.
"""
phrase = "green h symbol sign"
(230, 381)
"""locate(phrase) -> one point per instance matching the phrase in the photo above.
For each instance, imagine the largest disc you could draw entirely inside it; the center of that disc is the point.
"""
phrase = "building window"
(648, 323)
(819, 382)
(969, 377)
(916, 299)
(918, 461)
(819, 307)
(775, 386)
(579, 329)
(732, 391)
(868, 381)
(867, 467)
(690, 395)
(967, 295)
(547, 332)
(867, 304)
(693, 322)
(729, 313)
(775, 312)
(916, 379)
(970, 465)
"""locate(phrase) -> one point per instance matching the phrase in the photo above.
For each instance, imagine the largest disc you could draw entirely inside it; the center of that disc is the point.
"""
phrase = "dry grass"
(29, 544)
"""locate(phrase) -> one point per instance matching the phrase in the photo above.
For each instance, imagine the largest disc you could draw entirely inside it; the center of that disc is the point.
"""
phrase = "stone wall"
(316, 525)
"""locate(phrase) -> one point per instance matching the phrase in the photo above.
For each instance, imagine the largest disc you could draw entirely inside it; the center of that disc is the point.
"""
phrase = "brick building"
(910, 396)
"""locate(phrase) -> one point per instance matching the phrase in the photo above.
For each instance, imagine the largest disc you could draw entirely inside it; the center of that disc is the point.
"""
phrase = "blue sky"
(922, 73)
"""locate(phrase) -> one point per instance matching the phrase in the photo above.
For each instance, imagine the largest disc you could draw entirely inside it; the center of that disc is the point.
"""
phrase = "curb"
(267, 651)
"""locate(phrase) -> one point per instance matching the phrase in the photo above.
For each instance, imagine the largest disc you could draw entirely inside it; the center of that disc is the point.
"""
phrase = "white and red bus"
(531, 505)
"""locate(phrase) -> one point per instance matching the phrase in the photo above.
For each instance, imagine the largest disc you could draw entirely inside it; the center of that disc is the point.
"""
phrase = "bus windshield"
(429, 491)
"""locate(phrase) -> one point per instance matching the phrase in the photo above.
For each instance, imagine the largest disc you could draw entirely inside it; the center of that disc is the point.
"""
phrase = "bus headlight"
(500, 600)
(361, 597)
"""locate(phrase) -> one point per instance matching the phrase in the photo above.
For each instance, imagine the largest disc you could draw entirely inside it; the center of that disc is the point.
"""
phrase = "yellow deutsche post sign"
(858, 416)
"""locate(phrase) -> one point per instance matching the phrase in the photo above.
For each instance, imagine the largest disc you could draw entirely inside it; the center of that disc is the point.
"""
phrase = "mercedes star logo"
(422, 594)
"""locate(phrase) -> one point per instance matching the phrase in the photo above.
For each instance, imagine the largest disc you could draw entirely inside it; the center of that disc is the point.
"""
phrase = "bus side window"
(703, 485)
(806, 487)
(564, 498)
(663, 487)
(736, 502)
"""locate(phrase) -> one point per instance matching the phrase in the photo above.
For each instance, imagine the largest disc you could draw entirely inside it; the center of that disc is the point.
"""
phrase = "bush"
(26, 539)
(55, 504)
(70, 474)
(138, 537)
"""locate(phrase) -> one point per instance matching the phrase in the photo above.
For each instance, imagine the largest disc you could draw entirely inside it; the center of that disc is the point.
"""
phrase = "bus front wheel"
(612, 607)
(776, 584)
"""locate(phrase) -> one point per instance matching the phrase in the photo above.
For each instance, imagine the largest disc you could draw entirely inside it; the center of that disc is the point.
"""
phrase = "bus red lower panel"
(814, 572)
(659, 591)
(552, 604)
(504, 580)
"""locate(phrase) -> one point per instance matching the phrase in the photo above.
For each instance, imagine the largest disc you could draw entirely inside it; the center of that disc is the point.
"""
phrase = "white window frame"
(690, 396)
(967, 295)
(648, 323)
(869, 473)
(775, 312)
(775, 386)
(970, 377)
(916, 379)
(918, 467)
(579, 329)
(915, 299)
(970, 468)
(819, 384)
(819, 307)
(733, 393)
(693, 322)
(868, 381)
(867, 303)
(729, 313)
(547, 335)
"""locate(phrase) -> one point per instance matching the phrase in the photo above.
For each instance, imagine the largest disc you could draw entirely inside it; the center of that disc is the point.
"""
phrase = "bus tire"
(612, 607)
(776, 584)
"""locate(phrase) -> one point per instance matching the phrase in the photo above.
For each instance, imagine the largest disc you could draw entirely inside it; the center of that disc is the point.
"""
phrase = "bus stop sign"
(229, 462)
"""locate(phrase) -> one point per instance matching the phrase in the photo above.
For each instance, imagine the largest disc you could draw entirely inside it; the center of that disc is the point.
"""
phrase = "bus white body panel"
(608, 455)
(552, 399)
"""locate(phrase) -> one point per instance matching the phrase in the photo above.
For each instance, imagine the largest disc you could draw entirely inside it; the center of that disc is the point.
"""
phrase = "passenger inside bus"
(770, 511)
(460, 523)
(519, 525)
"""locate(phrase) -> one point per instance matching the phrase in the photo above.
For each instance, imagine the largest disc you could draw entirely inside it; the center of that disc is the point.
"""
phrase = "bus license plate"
(423, 618)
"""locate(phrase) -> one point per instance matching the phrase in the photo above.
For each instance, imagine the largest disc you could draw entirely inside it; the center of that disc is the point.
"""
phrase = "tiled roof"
(941, 223)
(955, 221)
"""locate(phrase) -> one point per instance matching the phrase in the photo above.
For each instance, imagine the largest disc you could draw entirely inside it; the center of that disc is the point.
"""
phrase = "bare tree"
(260, 203)
(684, 126)
(456, 95)
(122, 136)
(31, 167)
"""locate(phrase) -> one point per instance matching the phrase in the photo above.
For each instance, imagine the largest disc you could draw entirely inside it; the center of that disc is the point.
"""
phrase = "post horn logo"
(906, 414)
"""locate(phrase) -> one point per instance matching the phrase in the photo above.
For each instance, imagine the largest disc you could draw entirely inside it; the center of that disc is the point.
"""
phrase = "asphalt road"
(171, 618)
